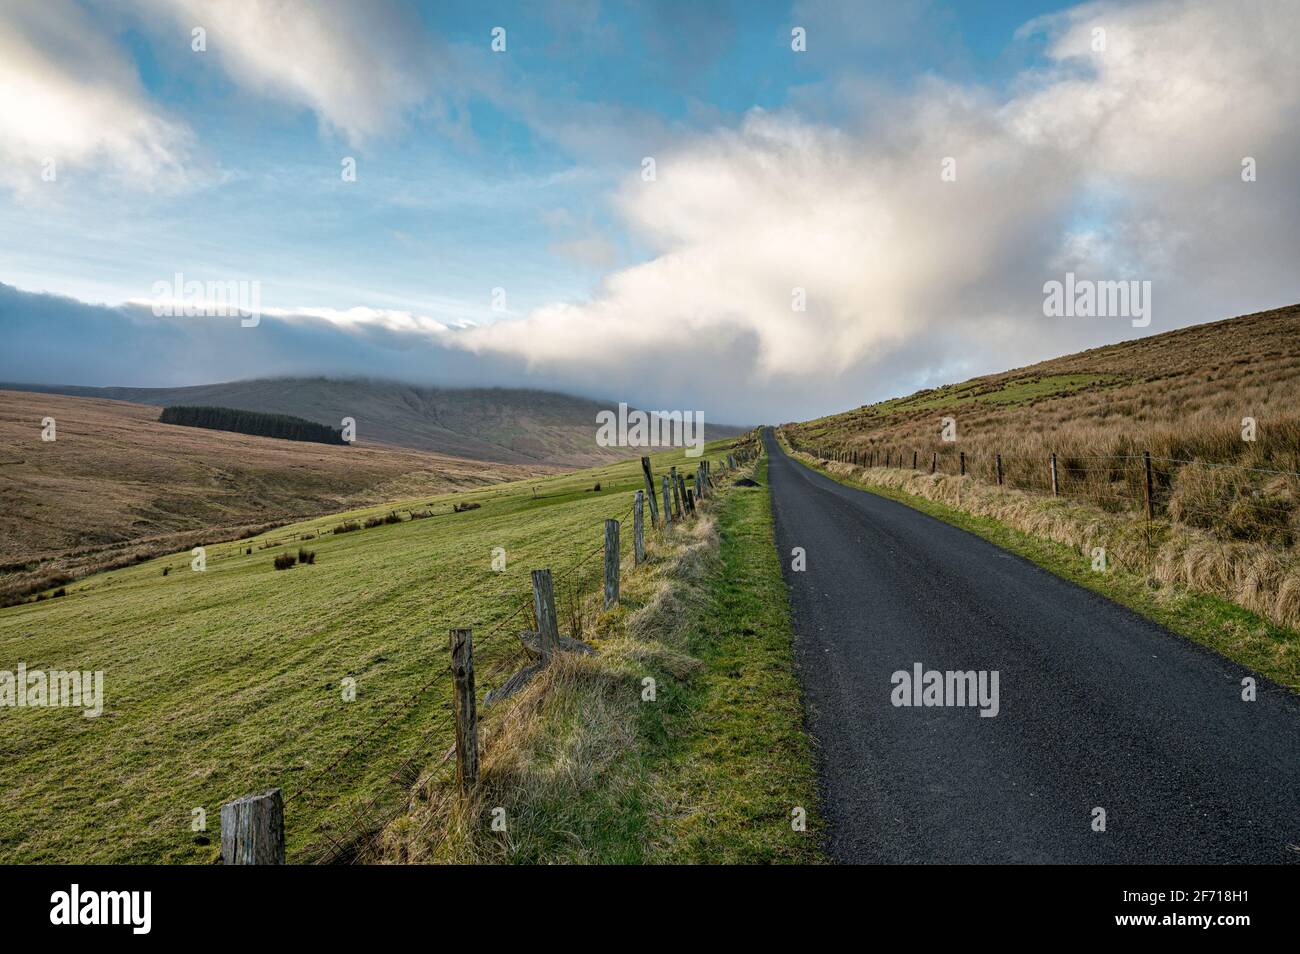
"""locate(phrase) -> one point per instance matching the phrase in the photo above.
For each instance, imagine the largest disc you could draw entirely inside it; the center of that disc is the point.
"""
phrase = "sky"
(874, 213)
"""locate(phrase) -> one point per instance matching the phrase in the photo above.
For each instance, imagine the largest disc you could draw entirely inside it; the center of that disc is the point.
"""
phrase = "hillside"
(1179, 395)
(1175, 457)
(503, 425)
(222, 682)
(116, 484)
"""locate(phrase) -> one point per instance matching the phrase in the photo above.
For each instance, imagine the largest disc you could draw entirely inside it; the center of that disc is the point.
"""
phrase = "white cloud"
(1124, 162)
(68, 95)
(358, 66)
(1142, 138)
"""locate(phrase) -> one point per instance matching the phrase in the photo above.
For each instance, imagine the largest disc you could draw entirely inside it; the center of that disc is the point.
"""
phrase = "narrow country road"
(1097, 708)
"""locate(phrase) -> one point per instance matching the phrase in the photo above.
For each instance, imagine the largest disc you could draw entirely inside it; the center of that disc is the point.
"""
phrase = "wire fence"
(350, 831)
(1231, 499)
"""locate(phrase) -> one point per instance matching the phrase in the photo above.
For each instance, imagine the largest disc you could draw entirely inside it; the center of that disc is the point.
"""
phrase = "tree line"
(283, 426)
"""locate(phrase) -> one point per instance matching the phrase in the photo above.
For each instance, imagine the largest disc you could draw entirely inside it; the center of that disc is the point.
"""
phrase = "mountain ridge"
(499, 425)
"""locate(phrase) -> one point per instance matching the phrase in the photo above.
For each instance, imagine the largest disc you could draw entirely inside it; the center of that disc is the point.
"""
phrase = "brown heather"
(1227, 511)
(117, 488)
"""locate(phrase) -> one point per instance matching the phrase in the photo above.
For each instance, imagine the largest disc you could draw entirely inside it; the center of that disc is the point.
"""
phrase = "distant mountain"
(503, 425)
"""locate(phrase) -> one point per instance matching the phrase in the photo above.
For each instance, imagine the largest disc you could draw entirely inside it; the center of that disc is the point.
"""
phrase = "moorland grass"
(228, 681)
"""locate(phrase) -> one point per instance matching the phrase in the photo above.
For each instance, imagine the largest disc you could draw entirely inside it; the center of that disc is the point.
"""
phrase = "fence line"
(1238, 500)
(253, 827)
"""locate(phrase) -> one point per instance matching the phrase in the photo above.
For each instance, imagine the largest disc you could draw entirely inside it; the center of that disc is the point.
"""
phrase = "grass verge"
(737, 761)
(587, 765)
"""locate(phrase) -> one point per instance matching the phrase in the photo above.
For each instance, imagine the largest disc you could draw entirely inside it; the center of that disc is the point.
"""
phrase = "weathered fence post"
(934, 461)
(650, 490)
(1054, 492)
(638, 529)
(999, 459)
(668, 507)
(611, 563)
(690, 499)
(687, 506)
(252, 829)
(1146, 462)
(548, 627)
(963, 463)
(462, 674)
(914, 460)
(677, 500)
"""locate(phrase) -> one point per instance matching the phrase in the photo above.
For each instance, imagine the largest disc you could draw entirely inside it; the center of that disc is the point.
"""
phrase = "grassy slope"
(1215, 623)
(588, 770)
(116, 475)
(1179, 394)
(228, 681)
(736, 761)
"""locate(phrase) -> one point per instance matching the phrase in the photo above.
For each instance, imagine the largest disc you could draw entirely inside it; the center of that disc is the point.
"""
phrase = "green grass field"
(225, 682)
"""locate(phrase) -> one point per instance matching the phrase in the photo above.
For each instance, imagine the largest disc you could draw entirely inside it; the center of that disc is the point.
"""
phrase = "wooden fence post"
(914, 460)
(887, 453)
(963, 463)
(999, 459)
(252, 829)
(668, 507)
(462, 674)
(687, 506)
(677, 500)
(650, 490)
(548, 628)
(1054, 492)
(934, 461)
(690, 499)
(1146, 461)
(638, 529)
(611, 563)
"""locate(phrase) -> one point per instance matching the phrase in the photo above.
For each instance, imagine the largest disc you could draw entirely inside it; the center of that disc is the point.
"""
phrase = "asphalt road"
(1097, 707)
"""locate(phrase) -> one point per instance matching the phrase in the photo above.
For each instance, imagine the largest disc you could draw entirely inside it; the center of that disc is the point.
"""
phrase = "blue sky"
(521, 170)
(477, 188)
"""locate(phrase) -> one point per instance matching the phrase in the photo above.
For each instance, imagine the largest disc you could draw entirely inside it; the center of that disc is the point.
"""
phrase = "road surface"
(1097, 708)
